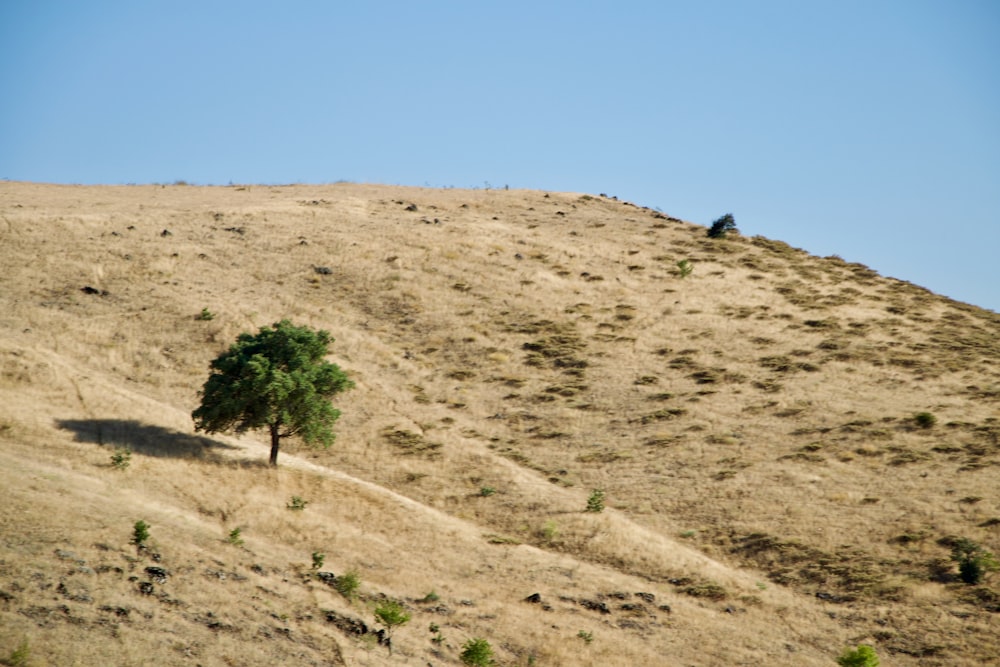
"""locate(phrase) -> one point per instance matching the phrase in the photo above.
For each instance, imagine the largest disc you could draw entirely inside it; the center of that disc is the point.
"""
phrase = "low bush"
(724, 224)
(477, 653)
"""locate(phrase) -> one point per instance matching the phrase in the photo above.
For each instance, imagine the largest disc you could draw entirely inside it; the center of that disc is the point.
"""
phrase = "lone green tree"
(275, 379)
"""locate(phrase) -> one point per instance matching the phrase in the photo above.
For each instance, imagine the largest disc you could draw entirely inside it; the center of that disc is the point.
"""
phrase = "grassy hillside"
(772, 496)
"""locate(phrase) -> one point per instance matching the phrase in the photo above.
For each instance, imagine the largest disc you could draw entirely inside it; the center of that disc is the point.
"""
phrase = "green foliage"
(140, 533)
(121, 458)
(684, 268)
(862, 656)
(276, 379)
(318, 559)
(438, 638)
(724, 224)
(391, 614)
(234, 537)
(477, 653)
(348, 584)
(205, 315)
(585, 636)
(297, 503)
(925, 419)
(487, 491)
(18, 657)
(430, 597)
(595, 503)
(973, 560)
(550, 530)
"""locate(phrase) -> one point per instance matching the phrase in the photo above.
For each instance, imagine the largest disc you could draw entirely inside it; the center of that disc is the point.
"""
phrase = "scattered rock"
(146, 588)
(322, 270)
(594, 605)
(236, 230)
(411, 207)
(166, 232)
(87, 289)
(534, 598)
(646, 597)
(665, 608)
(157, 574)
(120, 612)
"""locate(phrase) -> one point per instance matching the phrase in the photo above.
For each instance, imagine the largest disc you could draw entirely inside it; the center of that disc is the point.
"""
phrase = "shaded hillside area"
(790, 447)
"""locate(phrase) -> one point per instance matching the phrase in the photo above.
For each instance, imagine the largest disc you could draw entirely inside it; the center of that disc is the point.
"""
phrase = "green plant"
(550, 531)
(684, 268)
(297, 503)
(276, 379)
(438, 638)
(234, 537)
(973, 560)
(121, 458)
(595, 503)
(318, 559)
(925, 419)
(585, 636)
(391, 614)
(348, 584)
(724, 224)
(140, 534)
(18, 657)
(862, 656)
(487, 491)
(477, 653)
(431, 597)
(205, 315)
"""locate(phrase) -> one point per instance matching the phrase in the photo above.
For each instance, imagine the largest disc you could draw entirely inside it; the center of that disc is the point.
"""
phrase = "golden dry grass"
(751, 425)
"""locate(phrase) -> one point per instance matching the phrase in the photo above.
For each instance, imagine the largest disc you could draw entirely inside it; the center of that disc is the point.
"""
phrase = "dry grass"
(769, 491)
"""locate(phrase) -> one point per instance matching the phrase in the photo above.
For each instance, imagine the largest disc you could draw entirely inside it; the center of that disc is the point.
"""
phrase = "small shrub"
(205, 315)
(121, 458)
(140, 534)
(234, 537)
(862, 656)
(585, 636)
(684, 268)
(550, 531)
(724, 224)
(973, 560)
(477, 653)
(438, 638)
(925, 419)
(297, 503)
(487, 491)
(430, 597)
(595, 503)
(348, 584)
(391, 614)
(318, 559)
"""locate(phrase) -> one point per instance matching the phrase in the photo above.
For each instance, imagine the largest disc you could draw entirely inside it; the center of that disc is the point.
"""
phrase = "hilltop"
(789, 445)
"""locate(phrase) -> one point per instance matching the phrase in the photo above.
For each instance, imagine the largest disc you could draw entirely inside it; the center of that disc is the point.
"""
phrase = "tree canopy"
(275, 379)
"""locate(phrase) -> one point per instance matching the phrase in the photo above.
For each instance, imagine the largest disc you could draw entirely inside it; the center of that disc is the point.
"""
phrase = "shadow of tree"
(146, 439)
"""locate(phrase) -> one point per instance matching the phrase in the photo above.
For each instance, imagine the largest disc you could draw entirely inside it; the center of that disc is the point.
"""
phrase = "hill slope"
(771, 496)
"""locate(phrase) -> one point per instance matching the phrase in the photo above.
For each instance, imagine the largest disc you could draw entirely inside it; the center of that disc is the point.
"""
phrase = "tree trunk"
(275, 441)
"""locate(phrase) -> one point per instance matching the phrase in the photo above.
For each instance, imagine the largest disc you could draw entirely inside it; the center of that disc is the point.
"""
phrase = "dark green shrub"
(724, 224)
(297, 503)
(348, 584)
(862, 656)
(477, 653)
(925, 419)
(595, 503)
(318, 559)
(973, 560)
(121, 458)
(140, 534)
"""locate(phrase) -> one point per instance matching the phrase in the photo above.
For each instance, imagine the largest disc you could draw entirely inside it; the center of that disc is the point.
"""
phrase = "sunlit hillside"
(790, 447)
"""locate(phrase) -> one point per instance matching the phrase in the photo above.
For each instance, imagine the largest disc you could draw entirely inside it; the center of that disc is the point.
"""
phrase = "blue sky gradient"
(870, 130)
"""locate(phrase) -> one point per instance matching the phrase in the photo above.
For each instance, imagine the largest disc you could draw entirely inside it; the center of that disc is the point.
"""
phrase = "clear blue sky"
(867, 129)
